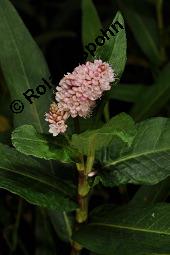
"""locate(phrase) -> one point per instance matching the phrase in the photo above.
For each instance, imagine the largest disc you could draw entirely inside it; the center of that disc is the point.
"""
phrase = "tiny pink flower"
(56, 120)
(78, 91)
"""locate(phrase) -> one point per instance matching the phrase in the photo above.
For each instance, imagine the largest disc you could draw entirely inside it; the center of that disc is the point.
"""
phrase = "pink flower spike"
(77, 93)
(88, 82)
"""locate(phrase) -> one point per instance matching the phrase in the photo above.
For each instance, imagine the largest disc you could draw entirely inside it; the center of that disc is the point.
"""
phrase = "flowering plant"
(60, 161)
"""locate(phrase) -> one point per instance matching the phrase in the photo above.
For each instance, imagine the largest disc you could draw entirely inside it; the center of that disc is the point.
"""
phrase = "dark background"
(56, 27)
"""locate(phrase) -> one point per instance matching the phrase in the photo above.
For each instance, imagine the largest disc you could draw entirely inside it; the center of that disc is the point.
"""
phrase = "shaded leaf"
(151, 194)
(91, 24)
(62, 223)
(128, 230)
(157, 96)
(30, 179)
(128, 92)
(21, 70)
(143, 26)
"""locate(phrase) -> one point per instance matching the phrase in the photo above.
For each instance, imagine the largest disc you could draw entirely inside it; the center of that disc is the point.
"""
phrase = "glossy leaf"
(23, 67)
(121, 126)
(30, 179)
(146, 161)
(126, 230)
(28, 141)
(155, 98)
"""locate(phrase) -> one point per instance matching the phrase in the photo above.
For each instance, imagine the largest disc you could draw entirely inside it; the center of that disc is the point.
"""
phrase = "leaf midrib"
(28, 139)
(129, 228)
(67, 224)
(136, 156)
(36, 179)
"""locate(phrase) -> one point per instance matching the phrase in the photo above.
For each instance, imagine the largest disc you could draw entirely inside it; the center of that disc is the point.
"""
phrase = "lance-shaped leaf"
(146, 161)
(114, 49)
(121, 126)
(23, 67)
(144, 28)
(126, 230)
(30, 179)
(28, 141)
(91, 24)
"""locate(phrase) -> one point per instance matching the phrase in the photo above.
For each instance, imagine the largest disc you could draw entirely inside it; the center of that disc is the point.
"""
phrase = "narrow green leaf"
(23, 67)
(31, 179)
(91, 24)
(146, 161)
(121, 126)
(114, 49)
(126, 230)
(155, 98)
(143, 26)
(28, 141)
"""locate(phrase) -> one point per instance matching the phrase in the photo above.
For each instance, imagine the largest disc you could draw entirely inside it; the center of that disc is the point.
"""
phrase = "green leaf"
(128, 92)
(143, 26)
(28, 141)
(62, 223)
(23, 67)
(121, 126)
(127, 230)
(31, 179)
(151, 194)
(91, 24)
(146, 161)
(114, 49)
(155, 98)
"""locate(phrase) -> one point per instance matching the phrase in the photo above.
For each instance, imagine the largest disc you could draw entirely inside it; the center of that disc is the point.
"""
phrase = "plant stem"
(82, 197)
(83, 190)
